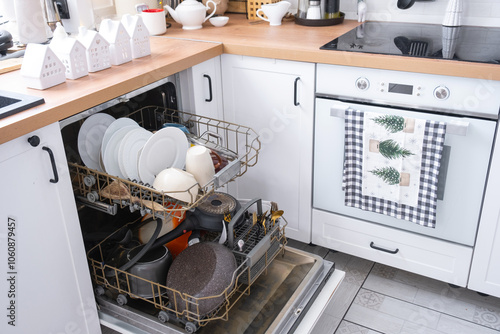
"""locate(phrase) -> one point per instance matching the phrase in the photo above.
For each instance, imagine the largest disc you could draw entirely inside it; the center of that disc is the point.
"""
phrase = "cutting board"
(9, 65)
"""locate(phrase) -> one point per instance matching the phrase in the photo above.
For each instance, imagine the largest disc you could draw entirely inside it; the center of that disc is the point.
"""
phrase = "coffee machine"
(319, 13)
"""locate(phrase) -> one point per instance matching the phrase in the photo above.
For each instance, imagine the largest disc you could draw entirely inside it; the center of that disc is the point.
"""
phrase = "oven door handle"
(458, 128)
(390, 251)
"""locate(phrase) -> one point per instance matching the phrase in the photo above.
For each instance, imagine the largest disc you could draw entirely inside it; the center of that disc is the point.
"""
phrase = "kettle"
(191, 13)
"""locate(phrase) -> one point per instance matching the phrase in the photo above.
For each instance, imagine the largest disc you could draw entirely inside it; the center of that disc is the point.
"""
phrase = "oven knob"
(441, 93)
(362, 84)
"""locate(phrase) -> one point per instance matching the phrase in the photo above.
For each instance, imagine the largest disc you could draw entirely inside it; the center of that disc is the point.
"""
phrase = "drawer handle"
(53, 163)
(372, 245)
(295, 101)
(209, 88)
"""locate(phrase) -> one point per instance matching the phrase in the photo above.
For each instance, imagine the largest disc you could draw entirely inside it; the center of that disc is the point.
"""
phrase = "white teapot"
(191, 13)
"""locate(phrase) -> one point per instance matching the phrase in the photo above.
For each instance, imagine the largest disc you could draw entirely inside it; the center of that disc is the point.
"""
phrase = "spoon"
(405, 4)
(118, 191)
(275, 215)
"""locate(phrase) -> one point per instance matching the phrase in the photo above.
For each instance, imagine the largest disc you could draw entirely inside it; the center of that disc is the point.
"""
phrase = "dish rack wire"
(262, 243)
(235, 146)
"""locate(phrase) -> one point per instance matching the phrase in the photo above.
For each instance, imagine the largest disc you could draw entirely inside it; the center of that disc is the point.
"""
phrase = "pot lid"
(218, 203)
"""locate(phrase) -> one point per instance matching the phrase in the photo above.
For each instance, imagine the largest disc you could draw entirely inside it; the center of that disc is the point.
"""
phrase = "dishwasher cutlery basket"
(262, 243)
(236, 145)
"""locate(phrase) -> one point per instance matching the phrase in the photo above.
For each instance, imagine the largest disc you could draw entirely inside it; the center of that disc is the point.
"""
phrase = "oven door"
(462, 178)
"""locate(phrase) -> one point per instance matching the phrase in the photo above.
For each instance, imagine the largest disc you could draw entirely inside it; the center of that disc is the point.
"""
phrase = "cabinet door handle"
(372, 245)
(53, 163)
(295, 102)
(209, 88)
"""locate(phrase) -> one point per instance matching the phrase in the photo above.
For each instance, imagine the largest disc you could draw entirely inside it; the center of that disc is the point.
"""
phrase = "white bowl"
(178, 184)
(219, 21)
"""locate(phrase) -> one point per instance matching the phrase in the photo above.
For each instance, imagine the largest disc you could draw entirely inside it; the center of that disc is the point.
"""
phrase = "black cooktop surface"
(466, 43)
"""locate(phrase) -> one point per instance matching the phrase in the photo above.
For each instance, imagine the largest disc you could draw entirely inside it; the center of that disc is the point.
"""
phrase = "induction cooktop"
(465, 43)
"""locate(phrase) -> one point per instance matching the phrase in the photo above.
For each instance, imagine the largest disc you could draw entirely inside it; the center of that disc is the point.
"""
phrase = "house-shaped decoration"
(119, 41)
(41, 68)
(71, 52)
(139, 35)
(96, 48)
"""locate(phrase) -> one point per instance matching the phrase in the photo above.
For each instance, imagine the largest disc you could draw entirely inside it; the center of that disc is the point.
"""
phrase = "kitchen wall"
(476, 12)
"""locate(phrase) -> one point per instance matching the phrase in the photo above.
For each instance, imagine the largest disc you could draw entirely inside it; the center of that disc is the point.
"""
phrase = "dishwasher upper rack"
(238, 146)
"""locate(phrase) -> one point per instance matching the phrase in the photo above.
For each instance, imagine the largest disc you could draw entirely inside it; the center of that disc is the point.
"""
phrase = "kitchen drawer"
(419, 254)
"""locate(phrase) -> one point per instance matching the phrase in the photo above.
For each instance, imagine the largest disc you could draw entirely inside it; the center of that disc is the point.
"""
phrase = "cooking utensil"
(201, 270)
(405, 4)
(152, 267)
(116, 190)
(411, 47)
(207, 216)
(275, 215)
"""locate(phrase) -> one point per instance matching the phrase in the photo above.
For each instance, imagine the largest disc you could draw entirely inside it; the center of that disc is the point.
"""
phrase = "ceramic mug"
(154, 20)
(274, 12)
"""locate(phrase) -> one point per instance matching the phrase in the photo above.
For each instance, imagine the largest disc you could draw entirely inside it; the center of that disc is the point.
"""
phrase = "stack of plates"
(120, 147)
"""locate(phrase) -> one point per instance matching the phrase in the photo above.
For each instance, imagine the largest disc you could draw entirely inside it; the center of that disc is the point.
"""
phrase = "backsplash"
(476, 12)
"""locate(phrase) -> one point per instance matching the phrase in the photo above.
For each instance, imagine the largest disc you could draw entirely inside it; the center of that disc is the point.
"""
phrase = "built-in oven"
(358, 144)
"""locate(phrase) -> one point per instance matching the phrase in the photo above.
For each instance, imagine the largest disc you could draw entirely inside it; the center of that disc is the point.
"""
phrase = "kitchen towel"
(391, 165)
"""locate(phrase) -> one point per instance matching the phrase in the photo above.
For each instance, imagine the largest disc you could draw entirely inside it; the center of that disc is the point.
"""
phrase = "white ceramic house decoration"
(41, 69)
(119, 41)
(71, 52)
(96, 48)
(139, 35)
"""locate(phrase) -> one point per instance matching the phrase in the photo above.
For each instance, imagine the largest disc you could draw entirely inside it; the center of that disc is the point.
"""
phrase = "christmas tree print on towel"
(391, 176)
(393, 123)
(389, 149)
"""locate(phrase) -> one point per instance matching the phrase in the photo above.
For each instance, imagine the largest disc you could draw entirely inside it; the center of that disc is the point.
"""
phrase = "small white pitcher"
(274, 12)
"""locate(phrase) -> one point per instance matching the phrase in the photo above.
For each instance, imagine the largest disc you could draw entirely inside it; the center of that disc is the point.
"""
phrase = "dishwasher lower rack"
(262, 245)
(236, 146)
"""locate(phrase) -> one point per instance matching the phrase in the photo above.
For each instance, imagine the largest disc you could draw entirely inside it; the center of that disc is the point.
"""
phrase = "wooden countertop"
(168, 56)
(295, 42)
(179, 49)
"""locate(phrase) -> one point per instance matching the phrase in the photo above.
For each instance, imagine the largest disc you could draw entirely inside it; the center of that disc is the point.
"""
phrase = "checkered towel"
(356, 185)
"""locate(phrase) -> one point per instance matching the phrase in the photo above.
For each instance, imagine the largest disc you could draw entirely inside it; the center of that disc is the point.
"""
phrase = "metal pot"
(151, 268)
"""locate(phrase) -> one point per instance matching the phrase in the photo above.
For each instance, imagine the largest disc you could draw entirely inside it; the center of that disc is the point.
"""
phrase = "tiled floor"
(375, 299)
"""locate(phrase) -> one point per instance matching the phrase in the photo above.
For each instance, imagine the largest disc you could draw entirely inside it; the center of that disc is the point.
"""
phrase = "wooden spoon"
(116, 190)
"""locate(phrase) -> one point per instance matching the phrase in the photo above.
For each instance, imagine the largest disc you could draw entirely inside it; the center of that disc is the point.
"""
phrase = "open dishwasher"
(255, 237)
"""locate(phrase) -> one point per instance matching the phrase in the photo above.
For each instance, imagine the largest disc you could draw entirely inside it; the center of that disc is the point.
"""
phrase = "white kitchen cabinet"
(485, 271)
(276, 99)
(45, 285)
(201, 89)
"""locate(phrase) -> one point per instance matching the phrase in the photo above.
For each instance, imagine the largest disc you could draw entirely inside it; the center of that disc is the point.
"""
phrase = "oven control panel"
(457, 95)
(440, 92)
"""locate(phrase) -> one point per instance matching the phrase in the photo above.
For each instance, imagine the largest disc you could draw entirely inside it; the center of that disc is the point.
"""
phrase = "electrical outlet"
(62, 9)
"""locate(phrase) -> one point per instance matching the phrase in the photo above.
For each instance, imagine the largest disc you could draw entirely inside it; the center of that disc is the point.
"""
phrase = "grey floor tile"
(452, 325)
(326, 325)
(395, 309)
(317, 250)
(391, 287)
(373, 319)
(347, 327)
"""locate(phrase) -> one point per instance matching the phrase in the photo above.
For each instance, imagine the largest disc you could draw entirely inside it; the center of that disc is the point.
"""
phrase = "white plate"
(128, 152)
(166, 148)
(115, 126)
(90, 139)
(110, 154)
